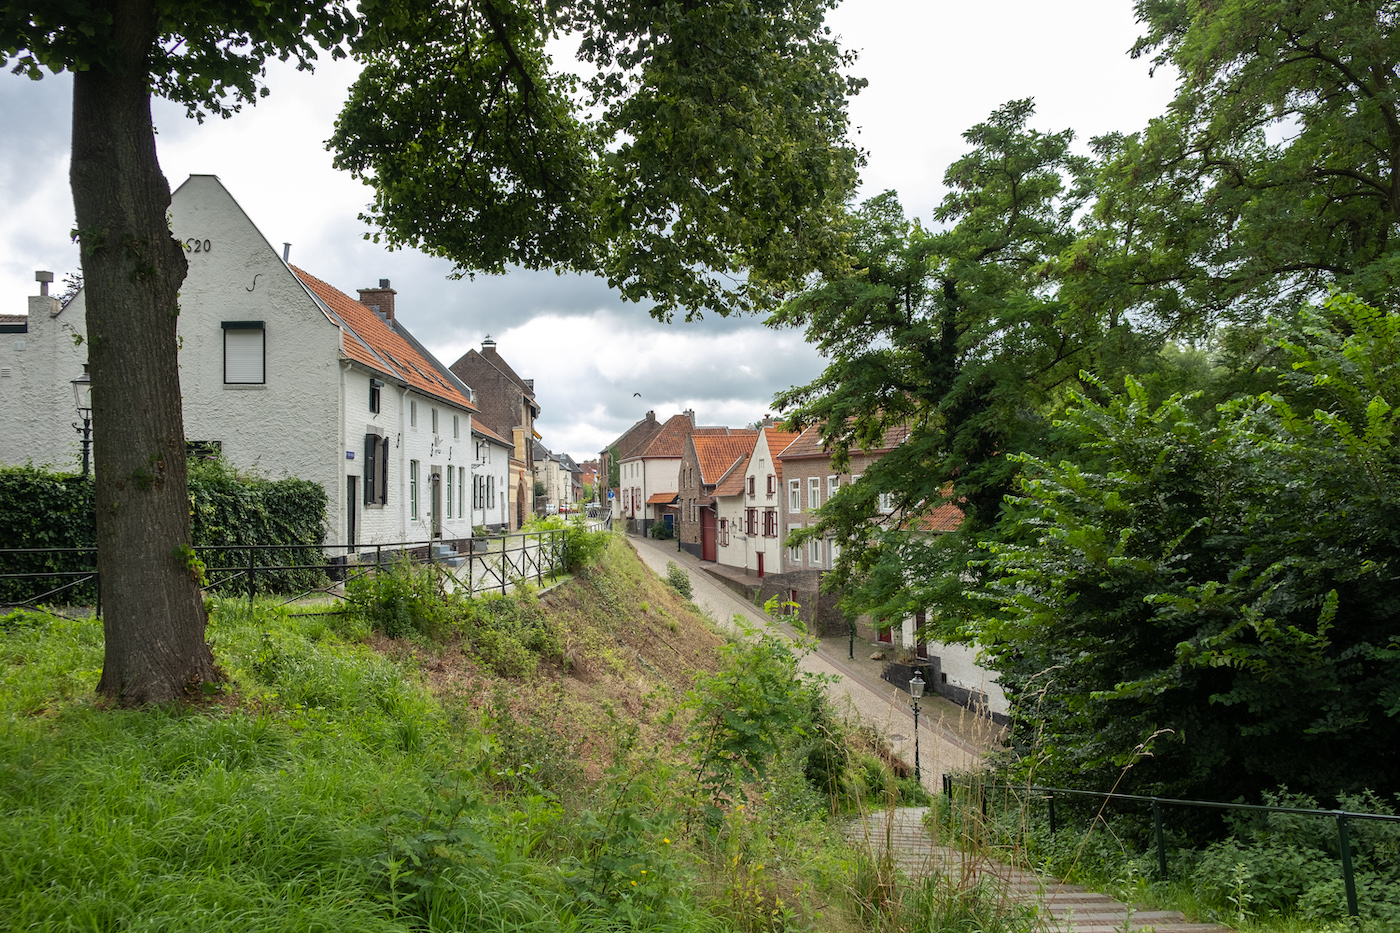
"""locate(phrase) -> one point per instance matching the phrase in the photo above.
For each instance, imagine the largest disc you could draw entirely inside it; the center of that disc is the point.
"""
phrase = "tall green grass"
(329, 789)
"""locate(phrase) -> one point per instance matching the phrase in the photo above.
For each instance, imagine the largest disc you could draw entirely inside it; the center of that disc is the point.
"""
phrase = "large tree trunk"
(153, 611)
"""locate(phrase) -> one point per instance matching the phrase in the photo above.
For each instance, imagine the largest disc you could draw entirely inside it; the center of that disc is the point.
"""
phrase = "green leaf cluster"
(701, 165)
(1218, 596)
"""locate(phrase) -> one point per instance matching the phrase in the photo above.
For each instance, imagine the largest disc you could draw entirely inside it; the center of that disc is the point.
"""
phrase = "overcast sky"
(934, 67)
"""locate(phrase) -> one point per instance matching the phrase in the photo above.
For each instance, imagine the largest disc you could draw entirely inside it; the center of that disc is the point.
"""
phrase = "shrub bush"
(678, 579)
(401, 599)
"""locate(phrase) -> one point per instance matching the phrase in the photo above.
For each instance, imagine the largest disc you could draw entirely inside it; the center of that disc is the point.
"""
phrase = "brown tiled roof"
(661, 498)
(670, 440)
(14, 319)
(484, 431)
(809, 442)
(636, 437)
(371, 341)
(732, 483)
(718, 452)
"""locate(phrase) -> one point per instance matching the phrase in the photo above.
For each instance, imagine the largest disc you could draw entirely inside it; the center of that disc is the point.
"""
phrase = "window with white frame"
(770, 523)
(814, 492)
(449, 493)
(412, 413)
(772, 484)
(794, 551)
(245, 348)
(815, 555)
(794, 496)
(833, 485)
(886, 502)
(834, 550)
(723, 534)
(374, 395)
(461, 490)
(413, 489)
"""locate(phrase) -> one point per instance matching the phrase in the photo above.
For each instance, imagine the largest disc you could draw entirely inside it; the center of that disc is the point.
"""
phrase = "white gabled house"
(748, 503)
(490, 492)
(283, 373)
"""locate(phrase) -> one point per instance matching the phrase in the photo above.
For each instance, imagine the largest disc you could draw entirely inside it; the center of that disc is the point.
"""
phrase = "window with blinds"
(244, 356)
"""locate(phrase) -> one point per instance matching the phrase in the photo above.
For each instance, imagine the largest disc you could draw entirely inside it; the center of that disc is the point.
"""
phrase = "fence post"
(1344, 842)
(1161, 842)
(1051, 801)
(252, 569)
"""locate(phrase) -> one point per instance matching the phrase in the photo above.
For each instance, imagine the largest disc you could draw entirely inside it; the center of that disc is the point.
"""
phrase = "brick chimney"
(380, 299)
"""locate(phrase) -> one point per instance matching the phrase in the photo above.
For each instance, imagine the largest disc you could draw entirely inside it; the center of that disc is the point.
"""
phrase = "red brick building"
(708, 458)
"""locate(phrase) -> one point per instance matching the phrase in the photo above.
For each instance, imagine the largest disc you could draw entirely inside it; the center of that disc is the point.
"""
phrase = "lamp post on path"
(916, 690)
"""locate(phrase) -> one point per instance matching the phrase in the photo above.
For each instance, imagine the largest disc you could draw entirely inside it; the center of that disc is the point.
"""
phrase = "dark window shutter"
(371, 461)
(384, 471)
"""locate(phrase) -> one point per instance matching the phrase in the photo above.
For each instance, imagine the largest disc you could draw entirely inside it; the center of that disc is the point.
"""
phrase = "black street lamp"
(916, 690)
(82, 398)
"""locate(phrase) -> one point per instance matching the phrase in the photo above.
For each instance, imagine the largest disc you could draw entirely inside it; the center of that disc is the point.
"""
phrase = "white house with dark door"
(281, 372)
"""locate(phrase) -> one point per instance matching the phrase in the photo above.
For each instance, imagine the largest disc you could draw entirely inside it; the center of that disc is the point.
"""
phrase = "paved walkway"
(877, 703)
(1065, 908)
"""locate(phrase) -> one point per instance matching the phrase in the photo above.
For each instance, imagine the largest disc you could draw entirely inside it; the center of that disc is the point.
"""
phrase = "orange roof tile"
(718, 452)
(777, 441)
(373, 342)
(946, 517)
(661, 498)
(732, 483)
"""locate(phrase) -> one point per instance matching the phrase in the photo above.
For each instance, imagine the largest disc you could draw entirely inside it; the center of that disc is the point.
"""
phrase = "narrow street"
(880, 705)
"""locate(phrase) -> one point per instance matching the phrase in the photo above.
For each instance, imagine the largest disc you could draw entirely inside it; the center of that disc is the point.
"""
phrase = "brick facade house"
(506, 404)
(708, 459)
(809, 482)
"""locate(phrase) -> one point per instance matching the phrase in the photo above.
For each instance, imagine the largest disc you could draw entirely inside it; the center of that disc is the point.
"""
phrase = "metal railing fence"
(980, 791)
(487, 565)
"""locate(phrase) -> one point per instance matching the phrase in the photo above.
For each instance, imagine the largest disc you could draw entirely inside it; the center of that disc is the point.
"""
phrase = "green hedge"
(40, 509)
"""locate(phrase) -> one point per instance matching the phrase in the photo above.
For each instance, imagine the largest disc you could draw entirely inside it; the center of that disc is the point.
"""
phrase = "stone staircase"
(1064, 908)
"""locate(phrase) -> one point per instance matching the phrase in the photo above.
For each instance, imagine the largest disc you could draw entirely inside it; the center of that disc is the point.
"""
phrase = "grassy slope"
(353, 783)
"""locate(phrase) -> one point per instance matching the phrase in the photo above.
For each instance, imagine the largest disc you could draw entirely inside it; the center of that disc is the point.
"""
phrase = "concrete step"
(1066, 908)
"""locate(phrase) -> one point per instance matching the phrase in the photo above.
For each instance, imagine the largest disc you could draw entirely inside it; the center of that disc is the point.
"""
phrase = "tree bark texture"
(153, 610)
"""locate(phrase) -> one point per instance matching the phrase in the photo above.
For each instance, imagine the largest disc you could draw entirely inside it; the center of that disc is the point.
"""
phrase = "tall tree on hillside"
(1227, 585)
(1275, 173)
(208, 56)
(956, 342)
(739, 187)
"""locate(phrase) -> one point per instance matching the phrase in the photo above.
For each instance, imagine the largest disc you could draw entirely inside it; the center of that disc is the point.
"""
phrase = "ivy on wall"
(39, 509)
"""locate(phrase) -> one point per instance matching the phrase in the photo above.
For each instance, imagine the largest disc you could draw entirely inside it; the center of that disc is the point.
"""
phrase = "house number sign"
(198, 246)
